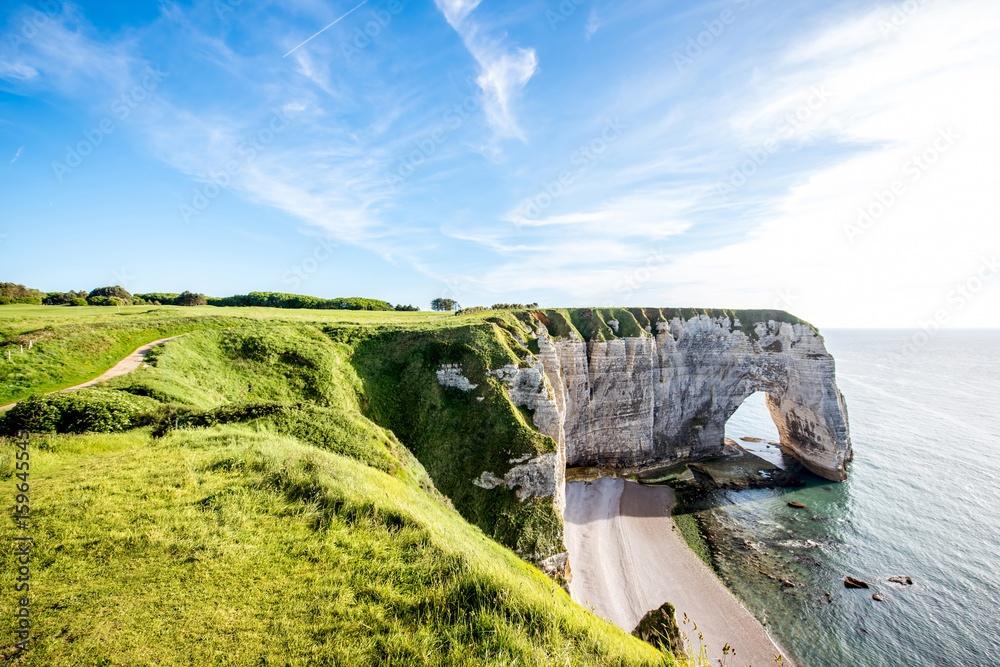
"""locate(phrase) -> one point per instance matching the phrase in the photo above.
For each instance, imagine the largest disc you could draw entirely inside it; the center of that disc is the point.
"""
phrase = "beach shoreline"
(627, 558)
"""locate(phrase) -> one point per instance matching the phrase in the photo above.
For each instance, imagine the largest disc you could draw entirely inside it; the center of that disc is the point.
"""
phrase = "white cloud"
(503, 70)
(593, 23)
(18, 71)
(66, 57)
(896, 95)
(455, 11)
(17, 155)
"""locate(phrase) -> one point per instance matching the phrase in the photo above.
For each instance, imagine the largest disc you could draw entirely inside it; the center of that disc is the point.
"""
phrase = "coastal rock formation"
(616, 391)
(638, 401)
(659, 628)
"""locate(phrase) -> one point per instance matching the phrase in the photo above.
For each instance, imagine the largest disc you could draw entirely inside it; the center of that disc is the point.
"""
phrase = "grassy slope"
(76, 344)
(234, 546)
(459, 435)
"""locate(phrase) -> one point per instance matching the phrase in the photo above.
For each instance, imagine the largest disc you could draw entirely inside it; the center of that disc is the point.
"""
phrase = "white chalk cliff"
(645, 401)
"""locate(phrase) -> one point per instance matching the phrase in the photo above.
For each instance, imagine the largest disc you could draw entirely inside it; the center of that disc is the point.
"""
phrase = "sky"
(836, 159)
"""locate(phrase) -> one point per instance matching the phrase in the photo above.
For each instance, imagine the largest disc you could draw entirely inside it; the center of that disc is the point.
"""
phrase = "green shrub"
(60, 298)
(35, 414)
(281, 300)
(159, 298)
(116, 291)
(32, 300)
(191, 299)
(15, 291)
(104, 301)
(78, 301)
(90, 410)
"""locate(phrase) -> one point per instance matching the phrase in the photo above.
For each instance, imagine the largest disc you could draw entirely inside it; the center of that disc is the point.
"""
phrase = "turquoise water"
(923, 500)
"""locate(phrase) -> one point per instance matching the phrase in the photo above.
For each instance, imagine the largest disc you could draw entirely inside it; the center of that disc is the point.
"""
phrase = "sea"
(922, 501)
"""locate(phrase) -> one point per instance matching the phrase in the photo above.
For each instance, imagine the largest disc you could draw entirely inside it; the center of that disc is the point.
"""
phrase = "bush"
(191, 299)
(78, 302)
(35, 414)
(60, 298)
(90, 410)
(281, 300)
(33, 300)
(407, 309)
(104, 301)
(159, 298)
(513, 306)
(15, 291)
(117, 291)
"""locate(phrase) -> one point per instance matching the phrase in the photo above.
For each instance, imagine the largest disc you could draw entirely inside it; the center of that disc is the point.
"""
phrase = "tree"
(117, 292)
(191, 299)
(445, 304)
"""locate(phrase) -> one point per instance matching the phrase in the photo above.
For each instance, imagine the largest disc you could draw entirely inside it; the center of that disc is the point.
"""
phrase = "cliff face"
(521, 396)
(642, 401)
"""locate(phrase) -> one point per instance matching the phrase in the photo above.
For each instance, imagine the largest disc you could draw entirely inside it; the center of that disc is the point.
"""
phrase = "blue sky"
(834, 159)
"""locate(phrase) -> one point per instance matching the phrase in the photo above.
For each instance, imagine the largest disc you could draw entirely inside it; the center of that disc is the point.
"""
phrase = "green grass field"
(238, 546)
(284, 488)
(71, 345)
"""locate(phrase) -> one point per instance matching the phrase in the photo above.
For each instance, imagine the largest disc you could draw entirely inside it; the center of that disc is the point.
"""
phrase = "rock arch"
(637, 402)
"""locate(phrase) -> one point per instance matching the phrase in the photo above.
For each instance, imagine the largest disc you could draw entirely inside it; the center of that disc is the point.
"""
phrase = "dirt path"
(126, 365)
(627, 559)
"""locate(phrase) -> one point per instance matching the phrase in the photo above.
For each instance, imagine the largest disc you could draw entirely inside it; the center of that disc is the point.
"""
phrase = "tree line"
(116, 295)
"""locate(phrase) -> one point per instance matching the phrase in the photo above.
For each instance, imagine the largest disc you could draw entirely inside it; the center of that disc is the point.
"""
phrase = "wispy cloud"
(17, 155)
(503, 70)
(593, 23)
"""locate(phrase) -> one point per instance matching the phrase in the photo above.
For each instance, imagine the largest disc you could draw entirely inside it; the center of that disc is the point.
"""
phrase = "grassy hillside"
(73, 345)
(234, 545)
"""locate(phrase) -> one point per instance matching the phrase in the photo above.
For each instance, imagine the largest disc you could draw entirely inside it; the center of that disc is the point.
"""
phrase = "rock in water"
(792, 503)
(877, 597)
(851, 582)
(905, 581)
(659, 628)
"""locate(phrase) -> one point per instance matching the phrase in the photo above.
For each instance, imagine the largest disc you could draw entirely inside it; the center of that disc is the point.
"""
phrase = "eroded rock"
(659, 628)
